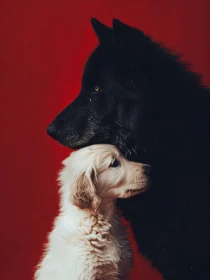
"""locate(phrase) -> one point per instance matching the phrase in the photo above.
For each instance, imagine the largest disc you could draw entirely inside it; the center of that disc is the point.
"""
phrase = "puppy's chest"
(97, 239)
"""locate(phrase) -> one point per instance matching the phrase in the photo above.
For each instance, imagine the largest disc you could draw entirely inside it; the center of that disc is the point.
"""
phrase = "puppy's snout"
(148, 170)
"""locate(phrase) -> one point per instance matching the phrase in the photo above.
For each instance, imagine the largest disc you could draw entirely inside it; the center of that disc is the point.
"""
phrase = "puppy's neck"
(105, 212)
(107, 208)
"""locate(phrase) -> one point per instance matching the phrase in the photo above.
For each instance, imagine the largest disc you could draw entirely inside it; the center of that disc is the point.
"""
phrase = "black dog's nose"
(51, 130)
(147, 170)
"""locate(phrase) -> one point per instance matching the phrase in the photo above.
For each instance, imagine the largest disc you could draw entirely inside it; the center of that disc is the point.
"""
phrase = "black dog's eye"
(95, 89)
(115, 163)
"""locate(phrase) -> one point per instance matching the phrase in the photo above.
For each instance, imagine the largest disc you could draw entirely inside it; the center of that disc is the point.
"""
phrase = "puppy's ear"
(84, 191)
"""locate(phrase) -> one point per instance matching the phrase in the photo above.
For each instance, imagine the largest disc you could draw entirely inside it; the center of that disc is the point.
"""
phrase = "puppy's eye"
(115, 163)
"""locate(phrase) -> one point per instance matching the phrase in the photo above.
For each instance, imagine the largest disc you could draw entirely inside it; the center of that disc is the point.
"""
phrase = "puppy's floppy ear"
(84, 191)
(103, 32)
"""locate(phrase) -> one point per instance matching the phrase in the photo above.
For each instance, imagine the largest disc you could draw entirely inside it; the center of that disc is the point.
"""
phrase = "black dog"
(138, 96)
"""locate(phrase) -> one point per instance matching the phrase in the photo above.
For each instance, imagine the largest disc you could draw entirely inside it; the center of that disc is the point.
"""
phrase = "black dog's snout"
(51, 130)
(148, 170)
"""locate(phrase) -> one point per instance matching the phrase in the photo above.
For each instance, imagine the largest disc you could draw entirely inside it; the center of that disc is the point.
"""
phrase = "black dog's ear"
(103, 32)
(125, 35)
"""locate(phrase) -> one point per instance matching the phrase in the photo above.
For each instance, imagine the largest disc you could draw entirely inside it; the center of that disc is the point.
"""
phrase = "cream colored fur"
(88, 241)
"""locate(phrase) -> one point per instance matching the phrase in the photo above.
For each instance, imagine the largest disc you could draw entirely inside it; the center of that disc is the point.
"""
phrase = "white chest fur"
(87, 248)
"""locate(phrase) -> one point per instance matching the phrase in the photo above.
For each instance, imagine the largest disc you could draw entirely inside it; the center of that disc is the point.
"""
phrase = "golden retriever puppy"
(88, 241)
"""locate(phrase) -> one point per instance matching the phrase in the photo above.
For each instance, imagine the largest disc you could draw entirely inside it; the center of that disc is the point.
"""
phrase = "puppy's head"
(100, 172)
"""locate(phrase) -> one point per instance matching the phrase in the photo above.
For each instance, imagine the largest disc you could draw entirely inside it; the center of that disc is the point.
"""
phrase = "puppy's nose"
(51, 130)
(147, 170)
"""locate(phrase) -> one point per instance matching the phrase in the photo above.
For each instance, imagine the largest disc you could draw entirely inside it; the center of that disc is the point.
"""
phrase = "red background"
(44, 46)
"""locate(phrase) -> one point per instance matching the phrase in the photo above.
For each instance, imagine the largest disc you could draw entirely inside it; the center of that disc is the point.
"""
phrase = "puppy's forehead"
(101, 148)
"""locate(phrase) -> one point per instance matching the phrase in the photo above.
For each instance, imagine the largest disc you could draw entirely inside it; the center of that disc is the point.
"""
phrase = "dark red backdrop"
(45, 45)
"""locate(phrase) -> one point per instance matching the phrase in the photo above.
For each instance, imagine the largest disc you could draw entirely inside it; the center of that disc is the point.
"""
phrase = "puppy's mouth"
(132, 192)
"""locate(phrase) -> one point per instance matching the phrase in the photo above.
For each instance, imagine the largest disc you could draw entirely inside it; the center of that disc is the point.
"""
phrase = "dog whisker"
(145, 151)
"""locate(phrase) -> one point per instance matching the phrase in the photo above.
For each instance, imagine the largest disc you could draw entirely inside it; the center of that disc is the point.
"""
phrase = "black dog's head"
(129, 96)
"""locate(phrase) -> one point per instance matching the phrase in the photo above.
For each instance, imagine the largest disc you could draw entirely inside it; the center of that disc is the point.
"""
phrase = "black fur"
(138, 96)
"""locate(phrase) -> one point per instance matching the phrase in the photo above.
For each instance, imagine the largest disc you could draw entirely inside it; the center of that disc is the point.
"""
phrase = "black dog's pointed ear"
(103, 32)
(124, 34)
(120, 27)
